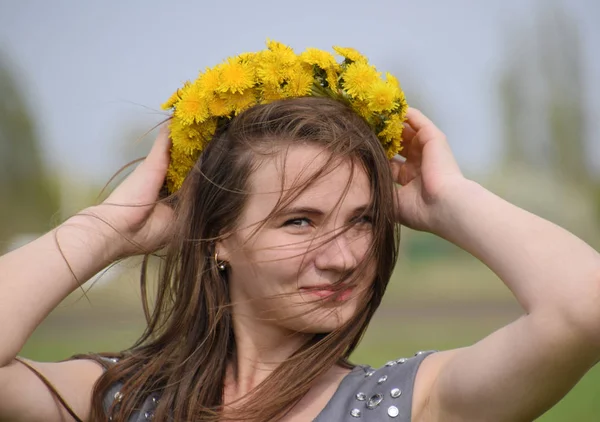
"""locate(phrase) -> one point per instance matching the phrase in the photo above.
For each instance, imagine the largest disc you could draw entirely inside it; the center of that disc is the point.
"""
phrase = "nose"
(336, 254)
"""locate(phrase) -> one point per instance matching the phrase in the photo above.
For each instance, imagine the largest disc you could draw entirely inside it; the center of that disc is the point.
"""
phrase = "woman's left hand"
(427, 175)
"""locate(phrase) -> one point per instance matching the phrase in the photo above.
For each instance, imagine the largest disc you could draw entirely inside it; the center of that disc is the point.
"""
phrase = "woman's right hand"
(137, 223)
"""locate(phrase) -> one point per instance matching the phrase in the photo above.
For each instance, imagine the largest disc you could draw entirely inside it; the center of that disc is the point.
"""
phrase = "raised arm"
(523, 369)
(35, 278)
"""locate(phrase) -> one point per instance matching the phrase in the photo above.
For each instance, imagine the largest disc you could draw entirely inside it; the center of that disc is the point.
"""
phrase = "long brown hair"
(184, 351)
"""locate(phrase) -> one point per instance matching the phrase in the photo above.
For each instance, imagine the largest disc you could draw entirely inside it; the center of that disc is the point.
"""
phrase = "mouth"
(327, 291)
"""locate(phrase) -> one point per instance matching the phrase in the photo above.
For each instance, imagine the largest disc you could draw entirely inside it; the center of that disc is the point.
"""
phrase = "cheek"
(278, 248)
(269, 262)
(361, 241)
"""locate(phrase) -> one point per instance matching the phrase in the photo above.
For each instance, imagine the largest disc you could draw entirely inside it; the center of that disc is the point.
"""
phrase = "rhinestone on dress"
(374, 401)
(391, 363)
(382, 379)
(361, 396)
(393, 411)
(370, 373)
(355, 413)
(420, 352)
(154, 400)
(148, 415)
(395, 393)
(118, 396)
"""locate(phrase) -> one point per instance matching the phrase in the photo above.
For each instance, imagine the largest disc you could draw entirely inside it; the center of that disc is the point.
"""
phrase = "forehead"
(294, 167)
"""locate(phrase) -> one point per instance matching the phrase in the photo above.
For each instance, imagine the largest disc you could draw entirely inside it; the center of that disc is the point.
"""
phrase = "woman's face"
(306, 245)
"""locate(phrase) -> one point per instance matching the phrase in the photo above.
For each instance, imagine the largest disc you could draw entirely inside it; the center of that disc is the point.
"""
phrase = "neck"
(260, 348)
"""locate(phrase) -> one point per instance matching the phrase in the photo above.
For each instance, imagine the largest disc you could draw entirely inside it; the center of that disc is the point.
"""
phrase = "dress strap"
(50, 387)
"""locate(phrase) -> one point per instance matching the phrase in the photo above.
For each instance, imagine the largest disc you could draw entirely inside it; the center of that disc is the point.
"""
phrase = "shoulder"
(377, 394)
(32, 391)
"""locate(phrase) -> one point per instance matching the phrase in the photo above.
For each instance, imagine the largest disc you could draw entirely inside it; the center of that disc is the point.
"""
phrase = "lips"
(328, 290)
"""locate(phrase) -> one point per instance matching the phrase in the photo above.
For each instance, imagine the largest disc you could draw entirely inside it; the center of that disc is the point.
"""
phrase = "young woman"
(276, 251)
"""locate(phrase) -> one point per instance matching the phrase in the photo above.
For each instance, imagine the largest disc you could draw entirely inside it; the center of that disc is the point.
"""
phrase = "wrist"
(89, 228)
(452, 204)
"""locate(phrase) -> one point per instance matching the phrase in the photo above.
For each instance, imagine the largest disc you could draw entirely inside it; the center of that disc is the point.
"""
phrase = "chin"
(323, 318)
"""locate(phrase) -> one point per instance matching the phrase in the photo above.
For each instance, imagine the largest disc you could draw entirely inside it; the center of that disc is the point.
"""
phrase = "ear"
(223, 250)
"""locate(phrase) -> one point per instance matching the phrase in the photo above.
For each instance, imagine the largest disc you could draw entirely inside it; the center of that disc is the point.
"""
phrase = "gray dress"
(365, 394)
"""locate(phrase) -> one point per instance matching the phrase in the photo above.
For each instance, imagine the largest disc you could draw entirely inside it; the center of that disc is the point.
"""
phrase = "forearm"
(35, 278)
(545, 266)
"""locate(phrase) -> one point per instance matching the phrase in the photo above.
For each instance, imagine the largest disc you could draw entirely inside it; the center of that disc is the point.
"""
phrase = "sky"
(93, 70)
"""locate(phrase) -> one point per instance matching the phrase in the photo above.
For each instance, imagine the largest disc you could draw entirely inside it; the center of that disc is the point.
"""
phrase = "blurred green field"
(441, 305)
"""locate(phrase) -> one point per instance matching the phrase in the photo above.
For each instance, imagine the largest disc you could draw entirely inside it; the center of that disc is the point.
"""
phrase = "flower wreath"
(224, 91)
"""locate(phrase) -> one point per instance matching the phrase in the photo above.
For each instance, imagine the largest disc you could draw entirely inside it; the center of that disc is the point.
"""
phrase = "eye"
(363, 219)
(298, 222)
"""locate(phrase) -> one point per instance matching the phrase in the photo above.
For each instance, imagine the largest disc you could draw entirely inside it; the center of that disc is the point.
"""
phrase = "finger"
(408, 134)
(424, 128)
(408, 139)
(160, 152)
(413, 150)
(417, 120)
(148, 178)
(403, 172)
(408, 173)
(396, 164)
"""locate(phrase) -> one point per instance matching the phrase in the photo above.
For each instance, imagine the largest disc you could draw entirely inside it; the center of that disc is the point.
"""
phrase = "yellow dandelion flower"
(392, 147)
(270, 73)
(381, 97)
(306, 67)
(210, 80)
(207, 130)
(236, 76)
(392, 135)
(252, 60)
(299, 83)
(182, 161)
(358, 79)
(393, 127)
(187, 140)
(333, 79)
(192, 106)
(281, 53)
(173, 99)
(394, 84)
(320, 58)
(278, 47)
(247, 57)
(273, 67)
(271, 93)
(218, 106)
(241, 101)
(362, 109)
(181, 164)
(402, 105)
(350, 54)
(174, 180)
(191, 139)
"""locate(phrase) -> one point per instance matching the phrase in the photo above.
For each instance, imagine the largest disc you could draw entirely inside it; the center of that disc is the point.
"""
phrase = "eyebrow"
(317, 212)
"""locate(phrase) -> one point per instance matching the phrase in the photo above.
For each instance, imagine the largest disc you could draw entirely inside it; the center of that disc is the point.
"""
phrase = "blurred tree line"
(35, 198)
(543, 162)
(30, 194)
(545, 121)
